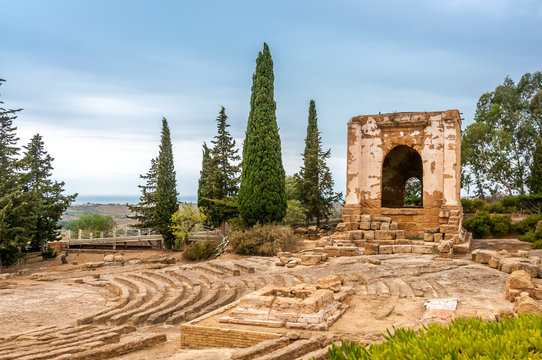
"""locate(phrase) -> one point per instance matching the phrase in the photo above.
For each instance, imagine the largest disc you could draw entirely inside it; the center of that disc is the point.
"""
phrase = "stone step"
(292, 351)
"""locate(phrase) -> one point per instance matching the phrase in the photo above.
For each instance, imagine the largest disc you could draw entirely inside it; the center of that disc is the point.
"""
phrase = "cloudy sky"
(96, 77)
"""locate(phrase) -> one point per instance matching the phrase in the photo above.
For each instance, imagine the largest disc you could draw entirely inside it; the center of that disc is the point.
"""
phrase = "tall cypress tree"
(262, 194)
(43, 195)
(166, 188)
(145, 209)
(204, 183)
(314, 179)
(535, 178)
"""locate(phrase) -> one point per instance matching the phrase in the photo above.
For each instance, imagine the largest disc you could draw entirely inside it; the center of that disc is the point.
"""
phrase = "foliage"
(479, 225)
(535, 178)
(94, 222)
(413, 192)
(262, 194)
(527, 224)
(45, 195)
(144, 210)
(523, 203)
(31, 204)
(219, 176)
(500, 224)
(315, 182)
(166, 189)
(200, 250)
(497, 149)
(292, 190)
(465, 338)
(295, 213)
(474, 205)
(264, 240)
(49, 254)
(183, 223)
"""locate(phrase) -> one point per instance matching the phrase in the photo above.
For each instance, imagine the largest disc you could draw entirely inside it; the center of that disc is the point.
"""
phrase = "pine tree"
(43, 195)
(262, 194)
(166, 188)
(535, 178)
(144, 210)
(13, 232)
(314, 179)
(222, 174)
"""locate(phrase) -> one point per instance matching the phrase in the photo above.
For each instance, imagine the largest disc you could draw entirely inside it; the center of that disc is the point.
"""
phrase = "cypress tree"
(144, 210)
(204, 182)
(315, 183)
(535, 178)
(166, 188)
(262, 194)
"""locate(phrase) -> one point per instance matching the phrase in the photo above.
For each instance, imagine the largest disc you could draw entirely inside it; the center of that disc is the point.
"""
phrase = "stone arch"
(400, 164)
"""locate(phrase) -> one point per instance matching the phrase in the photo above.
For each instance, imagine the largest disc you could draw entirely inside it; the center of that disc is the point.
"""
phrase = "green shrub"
(472, 206)
(537, 244)
(500, 224)
(49, 254)
(527, 224)
(200, 250)
(295, 213)
(478, 225)
(265, 240)
(512, 338)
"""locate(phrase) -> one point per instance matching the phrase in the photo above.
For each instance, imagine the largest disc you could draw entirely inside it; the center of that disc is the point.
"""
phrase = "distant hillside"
(118, 212)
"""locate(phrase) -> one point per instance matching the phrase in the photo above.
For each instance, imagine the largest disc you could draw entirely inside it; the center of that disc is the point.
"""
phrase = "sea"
(120, 199)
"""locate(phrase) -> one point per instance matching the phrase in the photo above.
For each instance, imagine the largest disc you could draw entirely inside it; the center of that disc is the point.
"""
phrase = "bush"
(200, 250)
(10, 255)
(49, 254)
(295, 213)
(93, 222)
(472, 338)
(265, 240)
(500, 224)
(472, 206)
(527, 224)
(478, 225)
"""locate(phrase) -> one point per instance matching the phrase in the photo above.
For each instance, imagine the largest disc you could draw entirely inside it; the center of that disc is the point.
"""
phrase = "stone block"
(348, 251)
(375, 225)
(403, 242)
(455, 212)
(369, 235)
(385, 226)
(494, 263)
(310, 259)
(365, 225)
(511, 265)
(444, 213)
(371, 249)
(394, 225)
(365, 218)
(437, 237)
(384, 235)
(385, 249)
(356, 234)
(422, 249)
(519, 281)
(398, 249)
(449, 229)
(451, 237)
(332, 250)
(301, 230)
(525, 304)
(382, 219)
(331, 282)
(483, 256)
(400, 234)
(355, 218)
(428, 237)
(431, 230)
(340, 227)
(384, 242)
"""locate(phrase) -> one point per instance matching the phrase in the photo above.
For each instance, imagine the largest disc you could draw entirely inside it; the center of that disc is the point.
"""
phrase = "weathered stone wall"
(435, 136)
(195, 336)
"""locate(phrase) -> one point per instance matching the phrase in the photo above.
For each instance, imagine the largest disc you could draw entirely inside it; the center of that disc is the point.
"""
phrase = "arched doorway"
(400, 165)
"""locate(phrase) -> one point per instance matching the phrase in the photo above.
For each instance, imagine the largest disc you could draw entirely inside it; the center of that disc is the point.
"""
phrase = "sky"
(96, 77)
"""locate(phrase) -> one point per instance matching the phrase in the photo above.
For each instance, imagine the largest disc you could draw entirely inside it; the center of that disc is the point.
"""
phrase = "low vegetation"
(200, 250)
(266, 240)
(511, 338)
(94, 222)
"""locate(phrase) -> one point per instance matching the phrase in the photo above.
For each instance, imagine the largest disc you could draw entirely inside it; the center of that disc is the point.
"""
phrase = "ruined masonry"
(384, 151)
